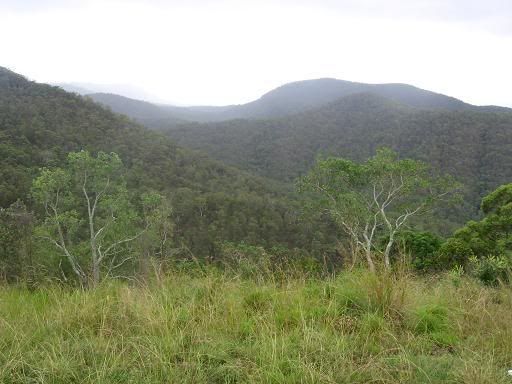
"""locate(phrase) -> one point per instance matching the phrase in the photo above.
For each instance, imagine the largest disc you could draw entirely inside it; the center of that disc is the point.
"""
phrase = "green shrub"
(452, 253)
(423, 247)
(491, 270)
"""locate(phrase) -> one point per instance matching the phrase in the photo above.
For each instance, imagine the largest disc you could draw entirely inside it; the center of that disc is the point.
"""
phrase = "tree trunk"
(95, 274)
(387, 251)
(354, 250)
(368, 253)
(94, 252)
(95, 262)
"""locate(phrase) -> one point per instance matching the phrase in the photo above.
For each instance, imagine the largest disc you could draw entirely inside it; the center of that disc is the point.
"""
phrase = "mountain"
(298, 96)
(141, 111)
(288, 99)
(213, 203)
(159, 115)
(9, 79)
(473, 144)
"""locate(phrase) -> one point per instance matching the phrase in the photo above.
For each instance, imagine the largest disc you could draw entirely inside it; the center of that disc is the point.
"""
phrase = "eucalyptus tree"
(492, 235)
(376, 198)
(88, 215)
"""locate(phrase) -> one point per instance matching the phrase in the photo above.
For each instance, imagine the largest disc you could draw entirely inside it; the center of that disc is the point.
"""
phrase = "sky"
(207, 52)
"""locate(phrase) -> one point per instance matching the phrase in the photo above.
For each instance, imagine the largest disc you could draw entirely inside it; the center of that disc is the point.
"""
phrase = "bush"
(423, 247)
(491, 270)
(453, 253)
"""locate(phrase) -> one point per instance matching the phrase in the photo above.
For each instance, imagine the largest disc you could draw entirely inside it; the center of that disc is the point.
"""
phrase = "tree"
(484, 248)
(87, 212)
(491, 236)
(157, 239)
(378, 197)
(422, 247)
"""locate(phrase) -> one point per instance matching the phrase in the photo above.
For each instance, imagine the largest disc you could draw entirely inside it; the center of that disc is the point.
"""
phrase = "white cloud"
(211, 52)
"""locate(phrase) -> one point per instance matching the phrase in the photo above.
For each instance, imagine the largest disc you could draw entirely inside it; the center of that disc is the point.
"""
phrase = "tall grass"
(215, 328)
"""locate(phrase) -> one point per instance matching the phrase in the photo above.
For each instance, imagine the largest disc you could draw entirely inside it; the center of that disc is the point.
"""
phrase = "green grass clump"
(216, 328)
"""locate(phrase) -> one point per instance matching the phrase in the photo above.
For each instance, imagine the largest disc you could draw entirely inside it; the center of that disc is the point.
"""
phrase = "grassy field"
(213, 328)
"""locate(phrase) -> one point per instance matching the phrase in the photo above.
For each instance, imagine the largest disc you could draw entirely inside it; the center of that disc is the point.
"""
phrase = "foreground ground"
(210, 328)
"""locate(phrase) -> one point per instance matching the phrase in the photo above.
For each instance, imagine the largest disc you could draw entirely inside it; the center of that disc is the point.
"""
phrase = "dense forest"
(280, 135)
(474, 145)
(212, 203)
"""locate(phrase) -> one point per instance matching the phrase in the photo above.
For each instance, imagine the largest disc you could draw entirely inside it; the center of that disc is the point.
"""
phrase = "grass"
(215, 328)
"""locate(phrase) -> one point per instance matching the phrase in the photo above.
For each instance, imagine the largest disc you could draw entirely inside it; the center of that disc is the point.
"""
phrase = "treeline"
(87, 225)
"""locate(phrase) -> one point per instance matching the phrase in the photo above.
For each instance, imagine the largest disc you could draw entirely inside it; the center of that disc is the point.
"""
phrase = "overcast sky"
(229, 52)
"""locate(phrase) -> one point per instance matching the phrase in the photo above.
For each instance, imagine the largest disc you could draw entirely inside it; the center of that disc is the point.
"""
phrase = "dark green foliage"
(475, 145)
(9, 258)
(493, 234)
(422, 248)
(485, 246)
(454, 252)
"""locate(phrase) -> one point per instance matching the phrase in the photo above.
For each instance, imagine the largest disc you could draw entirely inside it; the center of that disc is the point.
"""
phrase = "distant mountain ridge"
(285, 100)
(11, 79)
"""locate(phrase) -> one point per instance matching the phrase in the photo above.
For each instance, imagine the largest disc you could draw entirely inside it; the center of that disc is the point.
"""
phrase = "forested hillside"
(473, 145)
(212, 203)
(286, 100)
(141, 111)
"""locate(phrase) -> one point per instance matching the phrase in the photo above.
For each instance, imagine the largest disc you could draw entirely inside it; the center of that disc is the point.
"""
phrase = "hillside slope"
(40, 124)
(473, 145)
